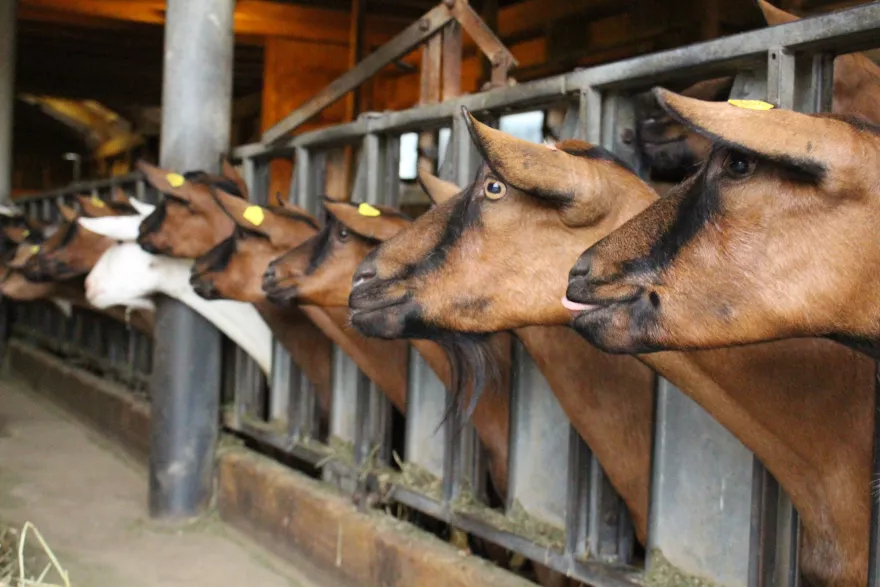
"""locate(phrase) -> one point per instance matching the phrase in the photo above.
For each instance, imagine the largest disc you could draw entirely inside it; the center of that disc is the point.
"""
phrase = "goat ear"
(16, 234)
(230, 173)
(775, 16)
(68, 213)
(119, 228)
(713, 89)
(438, 190)
(541, 171)
(376, 222)
(161, 180)
(143, 208)
(120, 197)
(22, 255)
(814, 142)
(35, 223)
(94, 207)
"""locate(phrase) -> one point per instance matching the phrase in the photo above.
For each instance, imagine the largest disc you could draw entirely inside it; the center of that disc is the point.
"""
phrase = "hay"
(18, 569)
(662, 573)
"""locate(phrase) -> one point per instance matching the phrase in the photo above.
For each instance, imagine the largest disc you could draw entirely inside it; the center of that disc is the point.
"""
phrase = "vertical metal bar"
(781, 77)
(245, 393)
(8, 23)
(539, 444)
(451, 61)
(821, 82)
(304, 188)
(874, 555)
(185, 385)
(391, 175)
(701, 492)
(765, 498)
(425, 407)
(280, 386)
(301, 399)
(374, 413)
(610, 532)
(577, 507)
(590, 128)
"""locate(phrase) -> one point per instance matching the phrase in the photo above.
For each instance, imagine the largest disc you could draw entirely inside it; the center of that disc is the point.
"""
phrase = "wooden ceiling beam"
(252, 17)
(264, 18)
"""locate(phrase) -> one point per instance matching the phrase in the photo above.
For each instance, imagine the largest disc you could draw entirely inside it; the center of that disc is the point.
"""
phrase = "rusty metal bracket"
(421, 31)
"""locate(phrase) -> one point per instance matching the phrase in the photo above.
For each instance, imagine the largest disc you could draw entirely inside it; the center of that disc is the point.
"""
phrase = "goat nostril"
(269, 274)
(363, 276)
(582, 267)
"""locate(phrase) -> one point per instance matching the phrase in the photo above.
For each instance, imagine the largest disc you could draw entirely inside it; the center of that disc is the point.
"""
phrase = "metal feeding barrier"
(85, 337)
(707, 488)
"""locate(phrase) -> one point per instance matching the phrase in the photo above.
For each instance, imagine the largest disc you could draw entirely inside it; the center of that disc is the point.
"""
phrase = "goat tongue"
(576, 307)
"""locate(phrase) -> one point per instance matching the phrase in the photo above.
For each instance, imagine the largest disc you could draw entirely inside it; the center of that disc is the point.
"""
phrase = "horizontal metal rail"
(841, 32)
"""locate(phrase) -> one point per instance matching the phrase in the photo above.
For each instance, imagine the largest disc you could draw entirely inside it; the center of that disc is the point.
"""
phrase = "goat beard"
(472, 367)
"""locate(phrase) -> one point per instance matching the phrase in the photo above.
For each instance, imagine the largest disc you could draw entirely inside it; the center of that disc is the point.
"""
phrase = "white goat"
(126, 274)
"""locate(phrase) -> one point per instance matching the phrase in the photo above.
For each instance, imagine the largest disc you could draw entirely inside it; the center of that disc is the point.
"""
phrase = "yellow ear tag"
(35, 249)
(254, 215)
(175, 179)
(367, 210)
(26, 233)
(97, 202)
(752, 104)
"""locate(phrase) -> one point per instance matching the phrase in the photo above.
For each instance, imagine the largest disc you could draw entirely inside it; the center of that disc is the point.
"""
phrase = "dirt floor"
(89, 501)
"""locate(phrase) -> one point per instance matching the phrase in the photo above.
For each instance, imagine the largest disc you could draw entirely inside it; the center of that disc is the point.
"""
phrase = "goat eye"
(738, 165)
(343, 233)
(494, 190)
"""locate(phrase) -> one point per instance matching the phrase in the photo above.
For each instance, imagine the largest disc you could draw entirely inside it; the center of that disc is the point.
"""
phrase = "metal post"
(873, 567)
(185, 385)
(7, 95)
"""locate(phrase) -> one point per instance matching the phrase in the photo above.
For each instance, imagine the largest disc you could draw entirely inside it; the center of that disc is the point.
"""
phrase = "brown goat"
(95, 207)
(189, 221)
(234, 268)
(319, 272)
(507, 241)
(198, 215)
(673, 151)
(14, 285)
(765, 242)
(192, 221)
(71, 251)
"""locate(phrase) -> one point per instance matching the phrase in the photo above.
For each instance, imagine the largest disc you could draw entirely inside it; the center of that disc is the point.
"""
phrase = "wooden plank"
(482, 35)
(292, 71)
(252, 17)
(451, 61)
(532, 15)
(429, 93)
(400, 45)
(355, 43)
(286, 511)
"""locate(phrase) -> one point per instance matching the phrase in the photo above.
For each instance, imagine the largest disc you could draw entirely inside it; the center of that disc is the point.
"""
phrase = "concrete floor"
(88, 499)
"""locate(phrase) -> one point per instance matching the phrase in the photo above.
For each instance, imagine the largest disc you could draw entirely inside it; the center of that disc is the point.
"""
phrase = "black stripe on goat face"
(649, 270)
(153, 222)
(322, 243)
(384, 307)
(217, 259)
